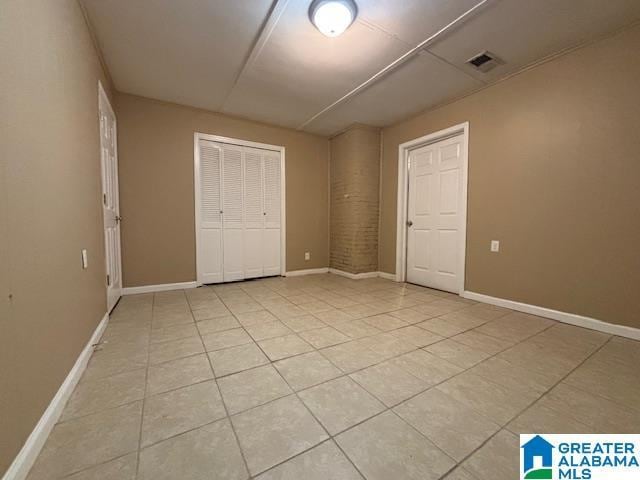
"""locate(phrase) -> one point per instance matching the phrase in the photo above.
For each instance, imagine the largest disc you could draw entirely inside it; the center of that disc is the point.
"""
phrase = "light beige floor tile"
(480, 341)
(385, 447)
(357, 329)
(169, 319)
(600, 414)
(306, 370)
(87, 441)
(459, 474)
(275, 432)
(242, 308)
(515, 326)
(174, 332)
(178, 373)
(123, 468)
(255, 317)
(226, 339)
(107, 363)
(457, 353)
(351, 356)
(541, 419)
(302, 323)
(210, 313)
(426, 366)
(334, 316)
(385, 322)
(264, 331)
(287, 311)
(387, 345)
(251, 388)
(163, 352)
(416, 336)
(485, 311)
(389, 383)
(514, 376)
(236, 359)
(208, 452)
(450, 324)
(316, 307)
(92, 396)
(452, 426)
(175, 412)
(324, 337)
(340, 403)
(498, 459)
(219, 324)
(283, 347)
(324, 462)
(496, 402)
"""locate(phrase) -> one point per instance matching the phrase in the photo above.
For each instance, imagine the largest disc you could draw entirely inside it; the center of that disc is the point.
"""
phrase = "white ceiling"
(264, 60)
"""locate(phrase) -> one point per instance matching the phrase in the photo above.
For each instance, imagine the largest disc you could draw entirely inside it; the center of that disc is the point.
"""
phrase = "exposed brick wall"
(355, 179)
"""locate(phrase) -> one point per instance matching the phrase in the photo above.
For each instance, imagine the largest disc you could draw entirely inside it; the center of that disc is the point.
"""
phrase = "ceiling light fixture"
(332, 17)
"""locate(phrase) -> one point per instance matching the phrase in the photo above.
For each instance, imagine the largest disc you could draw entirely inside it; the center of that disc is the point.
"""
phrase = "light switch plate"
(307, 255)
(85, 260)
(495, 246)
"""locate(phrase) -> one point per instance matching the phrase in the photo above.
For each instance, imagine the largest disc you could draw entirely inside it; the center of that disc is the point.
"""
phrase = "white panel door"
(272, 213)
(434, 215)
(210, 201)
(253, 213)
(110, 200)
(232, 213)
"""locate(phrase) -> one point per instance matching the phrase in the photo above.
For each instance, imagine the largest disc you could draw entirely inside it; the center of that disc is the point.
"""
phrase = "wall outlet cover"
(495, 246)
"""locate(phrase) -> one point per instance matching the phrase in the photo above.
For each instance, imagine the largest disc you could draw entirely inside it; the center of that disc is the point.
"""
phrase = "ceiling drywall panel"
(188, 51)
(299, 71)
(521, 32)
(418, 84)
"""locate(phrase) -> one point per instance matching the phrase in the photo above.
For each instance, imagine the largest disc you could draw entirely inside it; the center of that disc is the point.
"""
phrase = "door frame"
(197, 136)
(403, 189)
(103, 102)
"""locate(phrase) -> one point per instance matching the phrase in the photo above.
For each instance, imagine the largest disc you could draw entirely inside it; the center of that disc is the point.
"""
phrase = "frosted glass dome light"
(332, 17)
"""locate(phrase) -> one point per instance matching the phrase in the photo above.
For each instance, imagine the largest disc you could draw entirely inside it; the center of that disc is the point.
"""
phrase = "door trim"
(103, 100)
(197, 136)
(403, 188)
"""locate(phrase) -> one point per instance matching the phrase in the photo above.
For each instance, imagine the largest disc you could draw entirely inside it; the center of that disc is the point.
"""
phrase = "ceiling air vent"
(484, 61)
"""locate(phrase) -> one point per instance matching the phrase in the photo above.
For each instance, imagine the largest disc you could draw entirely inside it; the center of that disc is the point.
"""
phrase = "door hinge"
(104, 198)
(108, 280)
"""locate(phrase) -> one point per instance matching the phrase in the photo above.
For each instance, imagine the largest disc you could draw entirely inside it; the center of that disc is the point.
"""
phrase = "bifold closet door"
(210, 202)
(240, 202)
(272, 208)
(254, 213)
(232, 213)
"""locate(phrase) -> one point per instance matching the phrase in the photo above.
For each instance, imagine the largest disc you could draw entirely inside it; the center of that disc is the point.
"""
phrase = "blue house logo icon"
(537, 460)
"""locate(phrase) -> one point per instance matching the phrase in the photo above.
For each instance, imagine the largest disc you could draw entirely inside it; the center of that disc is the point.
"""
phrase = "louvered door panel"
(210, 234)
(272, 206)
(233, 212)
(253, 213)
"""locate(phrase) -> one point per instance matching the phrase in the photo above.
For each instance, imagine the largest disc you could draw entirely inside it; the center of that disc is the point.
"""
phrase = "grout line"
(146, 383)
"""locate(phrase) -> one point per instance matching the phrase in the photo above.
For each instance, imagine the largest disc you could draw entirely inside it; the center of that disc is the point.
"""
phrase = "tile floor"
(322, 377)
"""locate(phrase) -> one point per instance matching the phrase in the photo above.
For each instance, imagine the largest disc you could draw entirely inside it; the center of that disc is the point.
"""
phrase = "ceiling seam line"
(275, 12)
(396, 63)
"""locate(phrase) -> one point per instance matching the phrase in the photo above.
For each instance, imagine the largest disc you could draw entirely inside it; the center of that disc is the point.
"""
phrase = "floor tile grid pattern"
(308, 289)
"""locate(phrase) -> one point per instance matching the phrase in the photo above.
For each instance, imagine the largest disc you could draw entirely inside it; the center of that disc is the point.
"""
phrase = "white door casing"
(247, 240)
(432, 198)
(110, 198)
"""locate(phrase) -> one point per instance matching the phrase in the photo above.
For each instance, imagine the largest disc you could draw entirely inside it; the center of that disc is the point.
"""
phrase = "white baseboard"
(564, 317)
(31, 448)
(165, 287)
(387, 276)
(353, 276)
(310, 271)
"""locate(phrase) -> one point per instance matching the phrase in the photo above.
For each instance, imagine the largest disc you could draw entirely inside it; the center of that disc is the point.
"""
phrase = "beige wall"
(554, 163)
(155, 146)
(355, 173)
(49, 207)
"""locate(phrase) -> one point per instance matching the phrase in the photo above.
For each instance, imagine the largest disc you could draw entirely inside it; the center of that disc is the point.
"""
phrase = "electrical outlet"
(495, 246)
(307, 256)
(85, 260)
